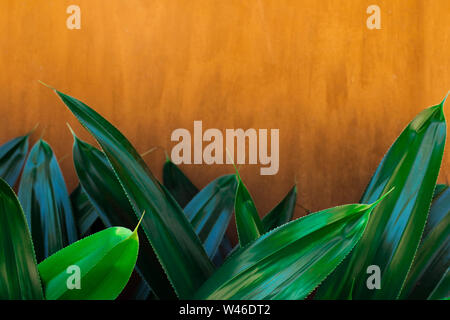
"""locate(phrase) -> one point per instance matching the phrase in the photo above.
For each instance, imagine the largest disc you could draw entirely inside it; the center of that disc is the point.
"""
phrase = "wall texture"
(339, 93)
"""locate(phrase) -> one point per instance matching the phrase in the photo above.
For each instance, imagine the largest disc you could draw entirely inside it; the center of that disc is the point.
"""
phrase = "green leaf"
(43, 195)
(104, 261)
(111, 204)
(12, 157)
(210, 211)
(170, 233)
(84, 212)
(282, 213)
(395, 227)
(290, 261)
(441, 291)
(248, 223)
(179, 186)
(19, 278)
(433, 256)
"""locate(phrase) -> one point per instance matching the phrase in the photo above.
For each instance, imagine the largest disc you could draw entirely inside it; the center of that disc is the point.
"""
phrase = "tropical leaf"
(248, 223)
(290, 261)
(210, 212)
(433, 256)
(103, 262)
(12, 157)
(282, 213)
(19, 277)
(395, 227)
(84, 212)
(43, 195)
(179, 186)
(111, 203)
(170, 233)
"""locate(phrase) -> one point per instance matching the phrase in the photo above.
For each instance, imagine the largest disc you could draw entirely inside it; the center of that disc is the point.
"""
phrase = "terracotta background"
(339, 93)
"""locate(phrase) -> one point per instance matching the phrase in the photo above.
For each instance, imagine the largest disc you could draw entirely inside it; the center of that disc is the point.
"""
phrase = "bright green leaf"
(103, 262)
(395, 227)
(290, 261)
(248, 223)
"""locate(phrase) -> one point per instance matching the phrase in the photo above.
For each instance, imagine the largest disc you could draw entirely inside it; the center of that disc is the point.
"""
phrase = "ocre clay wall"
(339, 92)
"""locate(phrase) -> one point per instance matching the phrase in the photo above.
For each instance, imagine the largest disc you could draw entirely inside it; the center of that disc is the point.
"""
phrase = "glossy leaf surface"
(290, 261)
(84, 212)
(395, 227)
(179, 186)
(210, 211)
(19, 277)
(248, 223)
(110, 202)
(103, 261)
(12, 157)
(282, 213)
(433, 256)
(170, 233)
(43, 195)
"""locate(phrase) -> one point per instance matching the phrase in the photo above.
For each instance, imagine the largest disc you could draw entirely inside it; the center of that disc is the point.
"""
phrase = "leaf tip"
(46, 85)
(382, 197)
(139, 223)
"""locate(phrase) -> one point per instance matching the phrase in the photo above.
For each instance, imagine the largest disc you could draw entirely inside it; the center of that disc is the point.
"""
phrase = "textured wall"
(339, 93)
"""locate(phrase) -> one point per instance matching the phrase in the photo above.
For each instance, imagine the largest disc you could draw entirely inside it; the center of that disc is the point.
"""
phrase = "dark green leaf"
(170, 233)
(181, 188)
(433, 256)
(282, 213)
(103, 262)
(441, 291)
(248, 223)
(110, 202)
(290, 261)
(395, 227)
(84, 212)
(19, 277)
(12, 157)
(46, 203)
(210, 211)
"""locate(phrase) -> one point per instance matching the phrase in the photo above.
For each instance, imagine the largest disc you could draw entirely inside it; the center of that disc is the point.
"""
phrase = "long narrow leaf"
(433, 256)
(43, 195)
(248, 223)
(111, 204)
(210, 211)
(182, 189)
(170, 233)
(84, 212)
(282, 213)
(290, 261)
(19, 277)
(12, 157)
(395, 228)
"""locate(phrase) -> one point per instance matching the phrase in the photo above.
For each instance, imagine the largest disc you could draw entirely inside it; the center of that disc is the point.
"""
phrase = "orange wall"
(339, 93)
